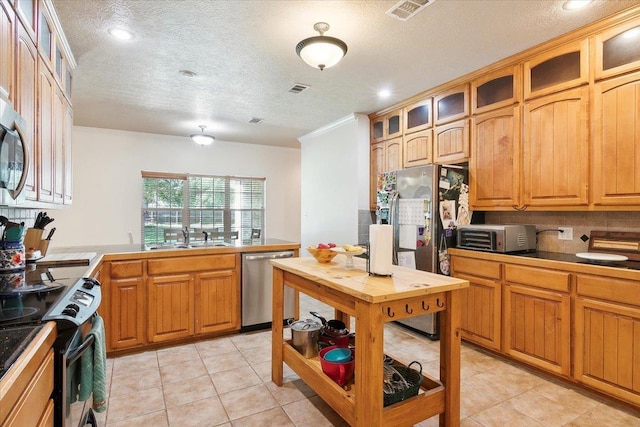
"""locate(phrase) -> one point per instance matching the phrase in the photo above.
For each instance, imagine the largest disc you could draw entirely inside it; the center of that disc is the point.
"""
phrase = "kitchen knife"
(50, 234)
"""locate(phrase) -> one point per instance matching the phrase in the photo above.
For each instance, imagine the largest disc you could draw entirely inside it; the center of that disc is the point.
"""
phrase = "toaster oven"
(497, 238)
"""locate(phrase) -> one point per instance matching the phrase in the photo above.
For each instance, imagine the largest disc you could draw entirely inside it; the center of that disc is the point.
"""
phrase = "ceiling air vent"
(298, 87)
(407, 9)
(256, 120)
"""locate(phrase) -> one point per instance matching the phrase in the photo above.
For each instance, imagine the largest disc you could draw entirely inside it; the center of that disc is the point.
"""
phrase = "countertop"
(138, 251)
(404, 282)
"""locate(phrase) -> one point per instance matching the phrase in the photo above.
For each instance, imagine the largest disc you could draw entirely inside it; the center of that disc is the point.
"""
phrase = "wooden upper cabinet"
(378, 129)
(418, 148)
(617, 50)
(386, 126)
(556, 149)
(26, 11)
(46, 137)
(46, 43)
(68, 164)
(494, 165)
(26, 89)
(451, 142)
(377, 166)
(7, 45)
(498, 89)
(561, 68)
(452, 104)
(393, 154)
(616, 141)
(59, 111)
(418, 116)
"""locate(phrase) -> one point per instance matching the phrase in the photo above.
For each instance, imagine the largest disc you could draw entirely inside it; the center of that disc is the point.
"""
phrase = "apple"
(322, 246)
(331, 245)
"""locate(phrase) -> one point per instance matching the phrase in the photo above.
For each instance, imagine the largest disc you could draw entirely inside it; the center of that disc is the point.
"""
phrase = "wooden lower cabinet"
(607, 336)
(170, 307)
(481, 301)
(126, 304)
(537, 327)
(217, 301)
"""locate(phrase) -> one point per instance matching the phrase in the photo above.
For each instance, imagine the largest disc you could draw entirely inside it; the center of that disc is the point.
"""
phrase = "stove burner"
(13, 313)
(7, 290)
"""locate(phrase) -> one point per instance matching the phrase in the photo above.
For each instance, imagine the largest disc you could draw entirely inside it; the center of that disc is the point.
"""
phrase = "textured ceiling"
(243, 53)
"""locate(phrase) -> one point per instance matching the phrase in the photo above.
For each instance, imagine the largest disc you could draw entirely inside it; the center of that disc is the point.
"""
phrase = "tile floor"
(227, 382)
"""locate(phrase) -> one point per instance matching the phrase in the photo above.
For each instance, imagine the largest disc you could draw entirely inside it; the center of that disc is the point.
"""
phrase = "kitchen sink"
(174, 246)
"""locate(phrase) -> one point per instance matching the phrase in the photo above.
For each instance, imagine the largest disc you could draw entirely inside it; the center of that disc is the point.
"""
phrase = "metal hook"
(389, 313)
(407, 309)
(438, 303)
(425, 308)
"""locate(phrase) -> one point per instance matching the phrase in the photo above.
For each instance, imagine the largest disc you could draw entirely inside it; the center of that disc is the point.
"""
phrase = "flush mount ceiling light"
(202, 138)
(575, 4)
(321, 51)
(120, 34)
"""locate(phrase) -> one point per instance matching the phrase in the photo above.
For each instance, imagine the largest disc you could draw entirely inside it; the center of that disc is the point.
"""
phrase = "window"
(216, 208)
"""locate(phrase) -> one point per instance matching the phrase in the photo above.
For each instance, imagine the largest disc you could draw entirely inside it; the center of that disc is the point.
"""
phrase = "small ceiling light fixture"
(575, 4)
(121, 34)
(202, 138)
(320, 51)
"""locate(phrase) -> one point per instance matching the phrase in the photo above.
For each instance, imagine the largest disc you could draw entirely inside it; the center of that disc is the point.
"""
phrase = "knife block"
(33, 239)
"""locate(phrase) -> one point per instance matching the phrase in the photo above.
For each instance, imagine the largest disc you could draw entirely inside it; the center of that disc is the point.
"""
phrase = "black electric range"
(26, 298)
(555, 256)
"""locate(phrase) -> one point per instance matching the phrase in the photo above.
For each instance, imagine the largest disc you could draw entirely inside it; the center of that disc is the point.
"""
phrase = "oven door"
(77, 413)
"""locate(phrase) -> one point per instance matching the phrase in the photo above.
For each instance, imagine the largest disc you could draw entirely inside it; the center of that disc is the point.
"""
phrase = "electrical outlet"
(565, 233)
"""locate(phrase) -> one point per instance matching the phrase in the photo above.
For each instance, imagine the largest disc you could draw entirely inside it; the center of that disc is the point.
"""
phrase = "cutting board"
(58, 260)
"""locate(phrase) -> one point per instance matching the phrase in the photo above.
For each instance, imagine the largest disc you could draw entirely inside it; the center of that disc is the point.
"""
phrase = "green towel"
(93, 370)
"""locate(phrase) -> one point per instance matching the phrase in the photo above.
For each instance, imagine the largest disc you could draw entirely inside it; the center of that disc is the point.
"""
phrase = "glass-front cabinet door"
(618, 50)
(394, 124)
(418, 116)
(495, 90)
(562, 68)
(452, 104)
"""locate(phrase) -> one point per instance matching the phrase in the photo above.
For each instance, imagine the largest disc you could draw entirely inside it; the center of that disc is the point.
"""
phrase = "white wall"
(107, 191)
(335, 181)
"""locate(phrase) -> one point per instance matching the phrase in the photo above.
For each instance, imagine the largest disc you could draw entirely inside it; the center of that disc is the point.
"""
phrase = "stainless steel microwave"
(14, 154)
(497, 238)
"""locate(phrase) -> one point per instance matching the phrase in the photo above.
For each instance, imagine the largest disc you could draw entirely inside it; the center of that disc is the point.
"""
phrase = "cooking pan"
(333, 328)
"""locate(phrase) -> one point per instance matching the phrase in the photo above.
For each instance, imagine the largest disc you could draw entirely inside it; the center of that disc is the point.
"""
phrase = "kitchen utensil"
(305, 334)
(340, 372)
(333, 328)
(323, 256)
(12, 256)
(602, 257)
(400, 382)
(50, 235)
(338, 355)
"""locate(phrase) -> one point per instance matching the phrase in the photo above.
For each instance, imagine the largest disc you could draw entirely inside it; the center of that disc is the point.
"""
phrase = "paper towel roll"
(380, 249)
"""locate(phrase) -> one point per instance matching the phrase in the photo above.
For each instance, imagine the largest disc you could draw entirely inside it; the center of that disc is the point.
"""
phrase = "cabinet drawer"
(538, 277)
(476, 267)
(191, 264)
(607, 288)
(126, 269)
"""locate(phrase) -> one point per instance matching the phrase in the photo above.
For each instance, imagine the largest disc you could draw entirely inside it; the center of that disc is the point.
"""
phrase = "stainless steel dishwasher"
(257, 290)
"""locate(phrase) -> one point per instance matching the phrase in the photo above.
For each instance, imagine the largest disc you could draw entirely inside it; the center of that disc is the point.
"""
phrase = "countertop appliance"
(14, 154)
(257, 290)
(35, 295)
(425, 205)
(497, 238)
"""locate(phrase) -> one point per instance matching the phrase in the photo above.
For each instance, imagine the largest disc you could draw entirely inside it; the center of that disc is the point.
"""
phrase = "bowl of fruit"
(322, 252)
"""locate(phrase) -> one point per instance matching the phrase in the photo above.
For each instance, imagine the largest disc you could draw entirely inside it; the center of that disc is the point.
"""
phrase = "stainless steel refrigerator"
(425, 205)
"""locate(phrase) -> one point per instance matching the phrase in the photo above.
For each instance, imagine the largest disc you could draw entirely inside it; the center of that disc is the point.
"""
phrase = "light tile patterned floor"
(226, 382)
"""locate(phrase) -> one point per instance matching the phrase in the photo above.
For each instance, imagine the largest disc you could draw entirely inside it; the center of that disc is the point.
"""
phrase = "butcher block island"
(372, 301)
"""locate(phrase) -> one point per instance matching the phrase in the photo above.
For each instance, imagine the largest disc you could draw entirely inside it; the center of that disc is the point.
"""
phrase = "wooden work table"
(373, 301)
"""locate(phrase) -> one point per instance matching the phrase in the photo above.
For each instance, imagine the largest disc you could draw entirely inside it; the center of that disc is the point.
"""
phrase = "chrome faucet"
(185, 233)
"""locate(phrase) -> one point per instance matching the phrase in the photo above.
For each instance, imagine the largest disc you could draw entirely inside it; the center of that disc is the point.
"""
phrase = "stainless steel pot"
(305, 335)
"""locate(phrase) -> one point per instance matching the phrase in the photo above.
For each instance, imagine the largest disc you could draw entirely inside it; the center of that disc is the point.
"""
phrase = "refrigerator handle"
(393, 219)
